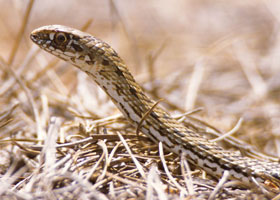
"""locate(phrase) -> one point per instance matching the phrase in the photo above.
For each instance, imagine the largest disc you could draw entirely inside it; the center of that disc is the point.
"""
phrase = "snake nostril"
(34, 37)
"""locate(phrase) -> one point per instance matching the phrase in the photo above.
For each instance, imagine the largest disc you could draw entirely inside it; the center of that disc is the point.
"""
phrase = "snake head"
(79, 48)
(61, 41)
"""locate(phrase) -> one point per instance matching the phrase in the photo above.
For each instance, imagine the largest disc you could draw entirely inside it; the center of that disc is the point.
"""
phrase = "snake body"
(108, 70)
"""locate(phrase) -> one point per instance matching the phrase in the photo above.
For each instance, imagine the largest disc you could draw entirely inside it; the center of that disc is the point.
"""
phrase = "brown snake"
(108, 70)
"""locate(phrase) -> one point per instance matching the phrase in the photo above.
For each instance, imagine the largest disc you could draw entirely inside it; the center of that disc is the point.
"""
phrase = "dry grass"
(62, 138)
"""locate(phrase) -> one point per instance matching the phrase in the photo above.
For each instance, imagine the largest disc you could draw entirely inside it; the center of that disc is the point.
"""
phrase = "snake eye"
(60, 38)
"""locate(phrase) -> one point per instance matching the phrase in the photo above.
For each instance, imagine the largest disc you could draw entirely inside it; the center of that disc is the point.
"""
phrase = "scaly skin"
(108, 70)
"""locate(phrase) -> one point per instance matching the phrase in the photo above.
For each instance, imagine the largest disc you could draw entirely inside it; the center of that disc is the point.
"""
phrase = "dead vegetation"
(62, 138)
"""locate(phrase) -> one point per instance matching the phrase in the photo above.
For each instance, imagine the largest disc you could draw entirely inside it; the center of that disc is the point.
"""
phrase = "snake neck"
(121, 87)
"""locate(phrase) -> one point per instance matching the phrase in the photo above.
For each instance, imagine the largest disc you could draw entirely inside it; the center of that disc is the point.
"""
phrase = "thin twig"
(232, 131)
(138, 165)
(20, 33)
(220, 185)
(145, 116)
(167, 171)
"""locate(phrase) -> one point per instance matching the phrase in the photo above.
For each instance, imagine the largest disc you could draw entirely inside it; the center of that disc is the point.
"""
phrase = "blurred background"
(221, 56)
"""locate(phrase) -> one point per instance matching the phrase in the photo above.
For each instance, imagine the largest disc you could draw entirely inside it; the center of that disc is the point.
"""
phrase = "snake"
(103, 65)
